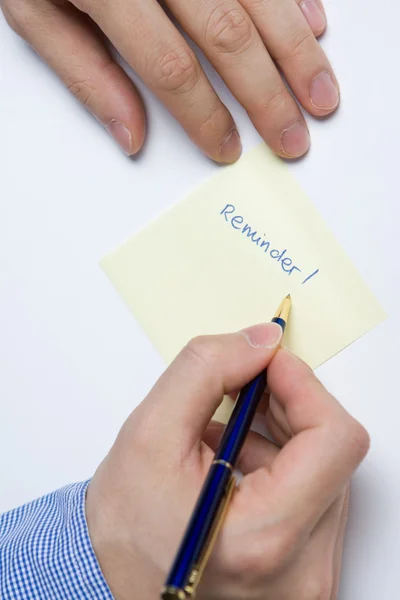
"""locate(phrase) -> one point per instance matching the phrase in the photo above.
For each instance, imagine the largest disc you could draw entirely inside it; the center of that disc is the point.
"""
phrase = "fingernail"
(314, 15)
(295, 140)
(265, 335)
(324, 93)
(231, 147)
(121, 135)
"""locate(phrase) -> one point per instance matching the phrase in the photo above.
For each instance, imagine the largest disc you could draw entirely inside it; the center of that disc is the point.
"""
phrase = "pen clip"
(198, 569)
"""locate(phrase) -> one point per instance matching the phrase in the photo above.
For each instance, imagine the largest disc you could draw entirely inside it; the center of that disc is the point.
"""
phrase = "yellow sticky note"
(224, 258)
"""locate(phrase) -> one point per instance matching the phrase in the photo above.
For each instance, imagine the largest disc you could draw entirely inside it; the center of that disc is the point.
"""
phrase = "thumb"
(187, 395)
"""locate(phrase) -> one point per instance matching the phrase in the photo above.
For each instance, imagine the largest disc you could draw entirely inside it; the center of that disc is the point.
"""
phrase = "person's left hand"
(249, 42)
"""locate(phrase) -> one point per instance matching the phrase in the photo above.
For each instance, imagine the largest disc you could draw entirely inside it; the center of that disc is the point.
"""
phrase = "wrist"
(125, 569)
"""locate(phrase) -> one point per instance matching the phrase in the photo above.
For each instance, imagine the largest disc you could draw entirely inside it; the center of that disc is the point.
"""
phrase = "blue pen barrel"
(192, 554)
(242, 417)
(200, 526)
(214, 489)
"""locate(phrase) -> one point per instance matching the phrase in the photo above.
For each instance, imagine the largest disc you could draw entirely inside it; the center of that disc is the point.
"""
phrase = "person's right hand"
(249, 42)
(283, 536)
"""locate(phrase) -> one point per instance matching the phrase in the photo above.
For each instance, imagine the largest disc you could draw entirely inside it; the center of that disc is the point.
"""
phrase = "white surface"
(73, 362)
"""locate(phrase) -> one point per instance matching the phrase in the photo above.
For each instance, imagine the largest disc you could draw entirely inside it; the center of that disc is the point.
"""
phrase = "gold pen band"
(173, 593)
(224, 463)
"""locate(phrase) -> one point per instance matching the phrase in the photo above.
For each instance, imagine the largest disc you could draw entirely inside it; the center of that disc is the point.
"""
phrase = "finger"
(231, 42)
(71, 47)
(155, 49)
(337, 561)
(279, 415)
(315, 569)
(292, 44)
(273, 427)
(213, 434)
(185, 398)
(257, 451)
(263, 405)
(326, 447)
(315, 15)
(321, 553)
(279, 436)
(325, 535)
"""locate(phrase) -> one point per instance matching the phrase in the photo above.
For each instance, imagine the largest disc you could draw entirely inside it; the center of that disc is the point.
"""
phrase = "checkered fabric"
(46, 553)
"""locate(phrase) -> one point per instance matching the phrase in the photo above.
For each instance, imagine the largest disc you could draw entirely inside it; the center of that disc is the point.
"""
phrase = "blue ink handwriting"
(238, 223)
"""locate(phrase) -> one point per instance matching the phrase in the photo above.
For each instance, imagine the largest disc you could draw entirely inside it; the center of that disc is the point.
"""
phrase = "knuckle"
(177, 71)
(316, 587)
(270, 554)
(229, 31)
(351, 440)
(283, 545)
(15, 14)
(274, 101)
(260, 8)
(211, 126)
(358, 440)
(204, 350)
(254, 564)
(298, 45)
(141, 430)
(82, 90)
(141, 442)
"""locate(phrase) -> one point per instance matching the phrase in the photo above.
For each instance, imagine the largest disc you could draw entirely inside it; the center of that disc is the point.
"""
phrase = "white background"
(73, 361)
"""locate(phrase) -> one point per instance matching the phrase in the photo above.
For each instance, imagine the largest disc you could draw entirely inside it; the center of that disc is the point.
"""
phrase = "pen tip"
(284, 309)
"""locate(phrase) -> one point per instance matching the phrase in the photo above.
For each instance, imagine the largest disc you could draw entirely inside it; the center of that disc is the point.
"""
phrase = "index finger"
(186, 396)
(327, 445)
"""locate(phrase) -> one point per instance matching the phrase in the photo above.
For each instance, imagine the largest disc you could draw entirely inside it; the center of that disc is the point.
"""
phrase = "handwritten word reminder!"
(238, 223)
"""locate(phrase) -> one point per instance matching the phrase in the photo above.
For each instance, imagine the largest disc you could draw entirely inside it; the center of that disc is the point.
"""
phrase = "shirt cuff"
(87, 566)
(46, 551)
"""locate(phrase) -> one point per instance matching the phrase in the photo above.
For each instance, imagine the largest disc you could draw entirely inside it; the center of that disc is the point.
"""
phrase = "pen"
(217, 490)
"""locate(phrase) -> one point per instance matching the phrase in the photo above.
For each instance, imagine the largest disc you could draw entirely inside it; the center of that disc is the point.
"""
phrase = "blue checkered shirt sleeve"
(46, 553)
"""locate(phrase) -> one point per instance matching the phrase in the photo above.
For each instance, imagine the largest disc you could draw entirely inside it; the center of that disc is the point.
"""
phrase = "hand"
(247, 41)
(282, 539)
